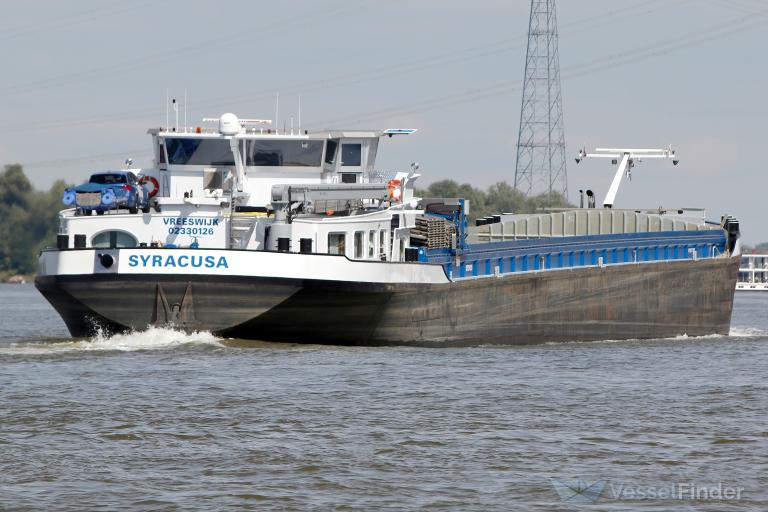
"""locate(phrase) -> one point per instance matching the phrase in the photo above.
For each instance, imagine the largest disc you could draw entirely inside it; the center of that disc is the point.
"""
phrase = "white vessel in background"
(753, 273)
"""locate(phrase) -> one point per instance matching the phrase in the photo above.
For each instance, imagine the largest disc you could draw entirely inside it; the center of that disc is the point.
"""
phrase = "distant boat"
(753, 273)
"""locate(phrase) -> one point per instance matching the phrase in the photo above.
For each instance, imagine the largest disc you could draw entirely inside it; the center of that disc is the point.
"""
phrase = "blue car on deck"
(110, 190)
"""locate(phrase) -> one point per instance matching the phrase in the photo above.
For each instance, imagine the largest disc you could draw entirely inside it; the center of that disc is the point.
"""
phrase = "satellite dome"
(229, 124)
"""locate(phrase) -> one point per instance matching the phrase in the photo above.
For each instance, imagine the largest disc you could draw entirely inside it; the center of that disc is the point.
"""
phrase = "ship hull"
(631, 301)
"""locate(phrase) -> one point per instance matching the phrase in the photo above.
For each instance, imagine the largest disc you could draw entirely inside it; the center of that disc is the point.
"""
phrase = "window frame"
(289, 152)
(359, 248)
(335, 151)
(124, 176)
(109, 245)
(371, 244)
(360, 162)
(382, 245)
(337, 246)
(200, 141)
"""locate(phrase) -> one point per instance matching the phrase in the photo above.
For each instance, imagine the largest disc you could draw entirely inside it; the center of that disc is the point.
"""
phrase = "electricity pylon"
(540, 163)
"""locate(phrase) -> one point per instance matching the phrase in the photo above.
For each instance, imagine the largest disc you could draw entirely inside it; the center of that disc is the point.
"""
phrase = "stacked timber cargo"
(432, 232)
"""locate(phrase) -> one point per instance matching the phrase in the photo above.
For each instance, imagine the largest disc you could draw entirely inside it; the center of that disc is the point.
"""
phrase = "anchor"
(177, 313)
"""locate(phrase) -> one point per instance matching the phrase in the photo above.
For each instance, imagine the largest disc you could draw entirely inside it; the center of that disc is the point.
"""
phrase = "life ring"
(393, 190)
(155, 185)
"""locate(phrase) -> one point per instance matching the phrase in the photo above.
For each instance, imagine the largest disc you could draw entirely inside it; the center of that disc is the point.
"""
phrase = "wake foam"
(153, 338)
(683, 337)
(747, 332)
(735, 332)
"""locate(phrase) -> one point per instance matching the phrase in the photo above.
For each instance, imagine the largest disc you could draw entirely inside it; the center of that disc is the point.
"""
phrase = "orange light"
(198, 130)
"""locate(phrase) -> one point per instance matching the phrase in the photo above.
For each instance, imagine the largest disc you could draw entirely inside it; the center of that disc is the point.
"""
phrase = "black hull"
(651, 300)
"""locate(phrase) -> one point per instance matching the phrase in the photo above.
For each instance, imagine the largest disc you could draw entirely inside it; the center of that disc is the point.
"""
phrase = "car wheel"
(133, 210)
(145, 210)
(99, 212)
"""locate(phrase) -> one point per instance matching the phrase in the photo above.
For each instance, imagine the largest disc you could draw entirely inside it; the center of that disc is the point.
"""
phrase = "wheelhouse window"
(284, 153)
(186, 151)
(113, 239)
(336, 243)
(359, 240)
(351, 155)
(330, 151)
(348, 177)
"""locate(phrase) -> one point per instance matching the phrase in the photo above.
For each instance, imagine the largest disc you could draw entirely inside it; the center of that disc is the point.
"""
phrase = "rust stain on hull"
(633, 301)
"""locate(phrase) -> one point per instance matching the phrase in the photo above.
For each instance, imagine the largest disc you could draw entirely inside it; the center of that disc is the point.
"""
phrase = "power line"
(611, 61)
(426, 105)
(303, 88)
(712, 33)
(420, 64)
(144, 152)
(74, 19)
(739, 6)
(195, 50)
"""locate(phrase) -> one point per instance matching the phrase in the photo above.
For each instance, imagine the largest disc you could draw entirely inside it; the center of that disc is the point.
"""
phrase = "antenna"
(291, 125)
(185, 111)
(628, 159)
(540, 165)
(176, 110)
(277, 111)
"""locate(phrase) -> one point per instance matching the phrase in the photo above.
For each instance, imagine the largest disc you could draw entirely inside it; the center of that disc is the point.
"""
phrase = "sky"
(82, 82)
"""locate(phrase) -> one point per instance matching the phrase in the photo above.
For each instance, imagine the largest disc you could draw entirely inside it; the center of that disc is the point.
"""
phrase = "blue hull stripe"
(568, 252)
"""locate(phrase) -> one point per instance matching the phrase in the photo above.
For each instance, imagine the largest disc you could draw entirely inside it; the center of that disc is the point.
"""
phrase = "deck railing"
(496, 258)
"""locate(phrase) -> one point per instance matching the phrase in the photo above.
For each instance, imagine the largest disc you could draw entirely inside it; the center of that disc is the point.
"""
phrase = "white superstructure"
(244, 185)
(753, 273)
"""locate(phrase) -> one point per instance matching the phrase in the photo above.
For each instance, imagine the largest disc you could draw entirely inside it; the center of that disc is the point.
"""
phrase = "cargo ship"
(295, 236)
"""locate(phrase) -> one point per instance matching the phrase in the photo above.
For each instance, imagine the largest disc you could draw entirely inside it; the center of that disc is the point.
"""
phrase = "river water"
(161, 420)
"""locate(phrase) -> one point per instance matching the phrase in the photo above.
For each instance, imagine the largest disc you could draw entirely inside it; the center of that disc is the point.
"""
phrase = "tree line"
(29, 220)
(500, 197)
